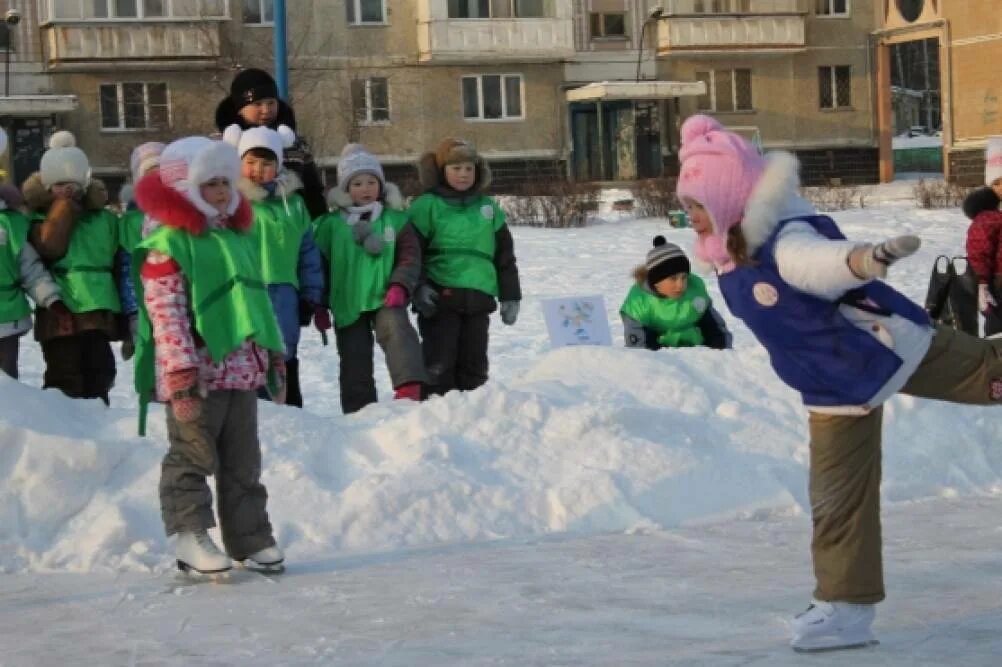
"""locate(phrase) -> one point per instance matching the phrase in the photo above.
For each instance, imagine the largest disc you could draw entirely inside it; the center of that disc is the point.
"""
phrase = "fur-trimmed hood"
(288, 183)
(980, 200)
(11, 198)
(172, 209)
(338, 199)
(430, 175)
(775, 197)
(37, 197)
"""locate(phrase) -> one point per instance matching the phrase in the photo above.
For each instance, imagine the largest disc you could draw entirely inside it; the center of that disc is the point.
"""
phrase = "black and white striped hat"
(664, 260)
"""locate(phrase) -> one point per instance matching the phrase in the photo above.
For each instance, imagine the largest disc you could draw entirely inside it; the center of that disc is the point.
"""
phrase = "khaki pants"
(845, 465)
(221, 442)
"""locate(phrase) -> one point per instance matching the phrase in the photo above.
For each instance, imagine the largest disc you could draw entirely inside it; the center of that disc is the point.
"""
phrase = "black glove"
(305, 313)
(425, 301)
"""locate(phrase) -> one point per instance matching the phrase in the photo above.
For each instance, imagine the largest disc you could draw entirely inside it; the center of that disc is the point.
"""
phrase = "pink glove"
(321, 318)
(182, 393)
(396, 297)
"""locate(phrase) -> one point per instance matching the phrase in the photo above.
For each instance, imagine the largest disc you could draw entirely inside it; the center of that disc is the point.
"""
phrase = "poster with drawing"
(577, 320)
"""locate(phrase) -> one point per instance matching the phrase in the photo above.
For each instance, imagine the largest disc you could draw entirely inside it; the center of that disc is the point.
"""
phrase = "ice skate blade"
(187, 569)
(820, 646)
(270, 568)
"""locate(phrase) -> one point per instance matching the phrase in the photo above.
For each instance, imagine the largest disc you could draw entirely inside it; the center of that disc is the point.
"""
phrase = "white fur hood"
(288, 183)
(776, 197)
(392, 198)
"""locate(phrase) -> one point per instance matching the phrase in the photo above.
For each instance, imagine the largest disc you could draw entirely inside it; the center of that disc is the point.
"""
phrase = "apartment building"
(969, 35)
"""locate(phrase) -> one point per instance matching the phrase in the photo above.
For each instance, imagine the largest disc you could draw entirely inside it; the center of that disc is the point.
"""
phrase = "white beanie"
(188, 163)
(64, 162)
(145, 157)
(993, 160)
(261, 137)
(356, 160)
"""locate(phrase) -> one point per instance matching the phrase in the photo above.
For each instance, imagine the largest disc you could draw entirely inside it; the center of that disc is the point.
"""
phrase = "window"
(835, 87)
(721, 6)
(469, 9)
(832, 8)
(370, 100)
(726, 90)
(528, 9)
(485, 9)
(259, 12)
(135, 9)
(5, 40)
(361, 12)
(134, 106)
(608, 25)
(492, 97)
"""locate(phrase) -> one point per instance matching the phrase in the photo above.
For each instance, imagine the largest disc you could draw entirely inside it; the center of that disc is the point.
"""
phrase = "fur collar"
(38, 198)
(169, 207)
(431, 176)
(338, 199)
(288, 183)
(775, 197)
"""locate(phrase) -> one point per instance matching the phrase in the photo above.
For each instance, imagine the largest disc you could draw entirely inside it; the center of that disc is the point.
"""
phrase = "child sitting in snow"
(668, 306)
(984, 237)
(290, 262)
(837, 334)
(374, 263)
(208, 340)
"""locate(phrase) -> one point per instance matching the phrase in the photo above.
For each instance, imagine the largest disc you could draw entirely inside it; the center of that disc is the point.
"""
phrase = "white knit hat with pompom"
(275, 141)
(64, 162)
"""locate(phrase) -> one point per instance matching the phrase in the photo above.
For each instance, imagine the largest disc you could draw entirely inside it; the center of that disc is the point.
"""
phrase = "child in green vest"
(373, 265)
(290, 262)
(668, 306)
(77, 237)
(21, 273)
(208, 340)
(469, 264)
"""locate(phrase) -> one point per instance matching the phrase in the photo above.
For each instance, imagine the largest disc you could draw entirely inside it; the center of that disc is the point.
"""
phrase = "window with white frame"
(134, 106)
(835, 87)
(370, 100)
(492, 97)
(361, 12)
(608, 25)
(83, 10)
(832, 7)
(259, 12)
(726, 90)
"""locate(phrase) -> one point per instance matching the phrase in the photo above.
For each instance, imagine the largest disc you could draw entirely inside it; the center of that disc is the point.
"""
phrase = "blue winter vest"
(811, 345)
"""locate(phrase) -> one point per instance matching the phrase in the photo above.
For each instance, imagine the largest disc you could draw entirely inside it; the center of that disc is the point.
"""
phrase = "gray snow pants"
(8, 354)
(401, 347)
(221, 442)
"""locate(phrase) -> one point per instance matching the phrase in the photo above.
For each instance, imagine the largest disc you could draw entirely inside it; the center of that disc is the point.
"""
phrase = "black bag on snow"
(952, 298)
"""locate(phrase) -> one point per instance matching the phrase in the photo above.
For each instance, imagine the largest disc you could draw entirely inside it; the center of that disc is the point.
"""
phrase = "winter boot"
(270, 559)
(827, 626)
(410, 391)
(293, 395)
(196, 551)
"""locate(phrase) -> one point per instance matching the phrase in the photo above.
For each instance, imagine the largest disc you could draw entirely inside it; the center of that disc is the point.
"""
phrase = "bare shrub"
(939, 194)
(551, 203)
(834, 197)
(655, 197)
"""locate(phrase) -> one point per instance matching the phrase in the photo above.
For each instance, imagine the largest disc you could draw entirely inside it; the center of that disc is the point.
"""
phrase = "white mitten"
(871, 261)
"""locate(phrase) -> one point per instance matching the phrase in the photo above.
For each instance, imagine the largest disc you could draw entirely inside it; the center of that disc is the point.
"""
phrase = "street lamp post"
(656, 15)
(10, 19)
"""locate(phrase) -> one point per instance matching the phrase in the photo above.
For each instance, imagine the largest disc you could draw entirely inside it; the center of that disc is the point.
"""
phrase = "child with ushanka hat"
(984, 237)
(373, 266)
(77, 238)
(290, 263)
(668, 305)
(207, 341)
(469, 265)
(22, 275)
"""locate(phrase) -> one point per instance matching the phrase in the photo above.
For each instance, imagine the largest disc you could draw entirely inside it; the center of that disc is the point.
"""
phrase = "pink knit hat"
(719, 170)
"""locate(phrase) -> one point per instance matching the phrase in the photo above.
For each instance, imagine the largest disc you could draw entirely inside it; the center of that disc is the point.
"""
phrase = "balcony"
(498, 36)
(732, 25)
(94, 42)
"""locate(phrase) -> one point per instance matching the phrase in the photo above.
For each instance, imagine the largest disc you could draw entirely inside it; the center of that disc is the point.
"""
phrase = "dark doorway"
(27, 138)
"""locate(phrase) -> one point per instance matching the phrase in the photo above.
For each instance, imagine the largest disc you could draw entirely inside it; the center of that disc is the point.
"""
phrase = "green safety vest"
(130, 229)
(461, 247)
(668, 316)
(358, 280)
(86, 273)
(228, 301)
(278, 235)
(13, 235)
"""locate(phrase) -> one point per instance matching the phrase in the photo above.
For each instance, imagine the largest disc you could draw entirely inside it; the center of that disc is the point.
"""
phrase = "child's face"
(997, 187)
(262, 112)
(461, 176)
(216, 192)
(260, 170)
(699, 217)
(363, 189)
(65, 190)
(673, 286)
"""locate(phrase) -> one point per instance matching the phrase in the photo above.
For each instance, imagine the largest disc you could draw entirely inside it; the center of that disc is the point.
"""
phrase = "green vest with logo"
(86, 273)
(667, 316)
(228, 301)
(460, 238)
(358, 280)
(130, 229)
(278, 234)
(13, 236)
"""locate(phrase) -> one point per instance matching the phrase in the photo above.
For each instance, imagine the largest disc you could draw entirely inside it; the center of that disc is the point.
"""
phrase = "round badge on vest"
(700, 304)
(487, 211)
(765, 294)
(389, 234)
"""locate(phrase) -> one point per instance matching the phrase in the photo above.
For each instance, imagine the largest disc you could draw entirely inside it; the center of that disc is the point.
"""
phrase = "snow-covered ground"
(588, 506)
